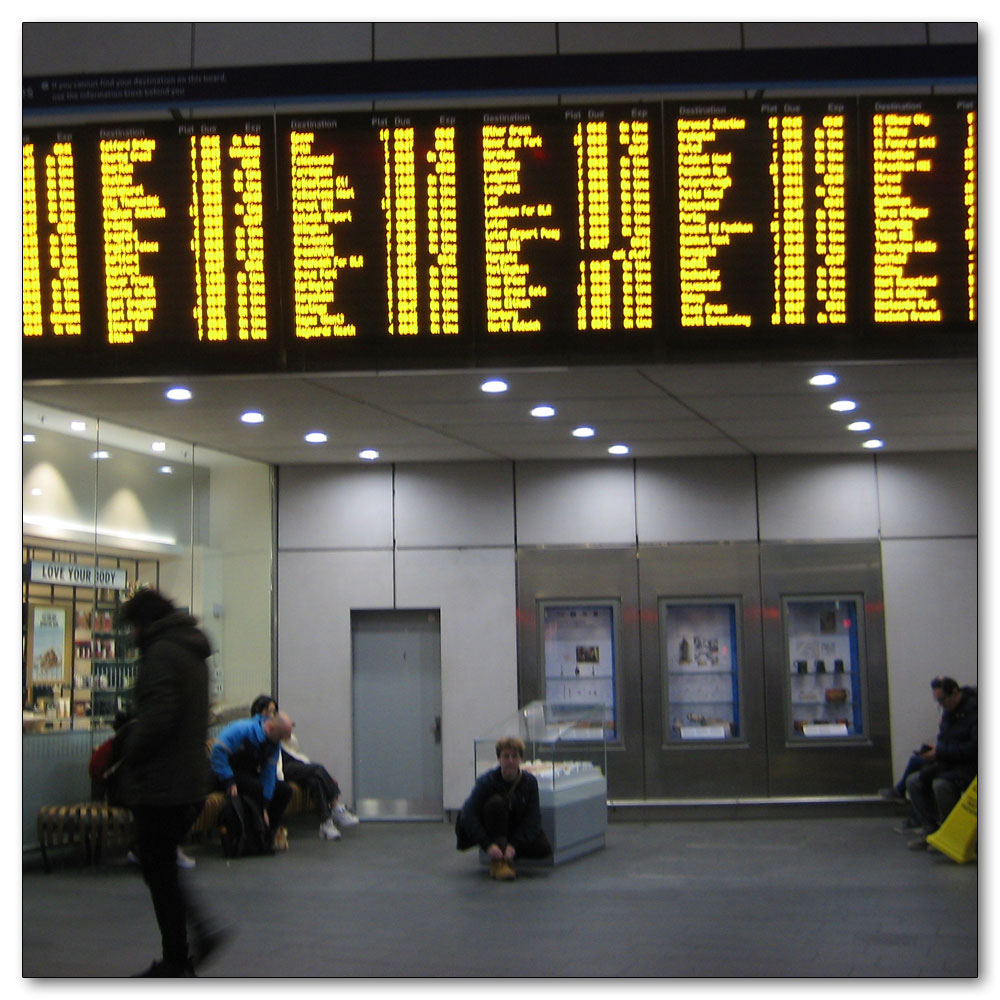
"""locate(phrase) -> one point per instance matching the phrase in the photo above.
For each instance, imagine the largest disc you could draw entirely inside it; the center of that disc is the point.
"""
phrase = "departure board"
(151, 240)
(648, 232)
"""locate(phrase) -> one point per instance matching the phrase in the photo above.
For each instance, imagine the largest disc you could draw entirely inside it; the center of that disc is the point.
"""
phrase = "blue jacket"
(247, 739)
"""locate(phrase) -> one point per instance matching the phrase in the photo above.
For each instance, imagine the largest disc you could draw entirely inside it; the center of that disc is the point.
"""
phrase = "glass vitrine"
(566, 751)
(825, 666)
(701, 664)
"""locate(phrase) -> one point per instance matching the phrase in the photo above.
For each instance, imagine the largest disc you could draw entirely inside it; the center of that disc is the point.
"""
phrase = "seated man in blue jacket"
(244, 761)
(502, 814)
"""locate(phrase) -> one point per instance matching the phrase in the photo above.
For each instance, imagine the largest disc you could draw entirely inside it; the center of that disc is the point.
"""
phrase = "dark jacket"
(163, 746)
(957, 748)
(525, 813)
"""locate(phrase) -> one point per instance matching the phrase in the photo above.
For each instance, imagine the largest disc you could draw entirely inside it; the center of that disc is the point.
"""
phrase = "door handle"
(436, 729)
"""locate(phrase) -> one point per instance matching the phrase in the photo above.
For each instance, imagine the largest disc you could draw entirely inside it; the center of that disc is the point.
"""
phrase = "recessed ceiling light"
(78, 425)
(369, 454)
(859, 425)
(619, 449)
(252, 417)
(494, 385)
(36, 491)
(873, 443)
(178, 394)
(166, 470)
(28, 438)
(316, 437)
(844, 405)
(100, 454)
(583, 432)
(159, 446)
(544, 410)
(823, 378)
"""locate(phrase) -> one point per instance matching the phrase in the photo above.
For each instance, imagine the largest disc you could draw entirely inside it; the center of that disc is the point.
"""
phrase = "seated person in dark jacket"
(949, 766)
(244, 761)
(502, 814)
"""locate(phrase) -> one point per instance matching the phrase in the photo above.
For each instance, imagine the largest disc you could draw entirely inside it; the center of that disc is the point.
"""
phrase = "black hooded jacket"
(957, 748)
(164, 761)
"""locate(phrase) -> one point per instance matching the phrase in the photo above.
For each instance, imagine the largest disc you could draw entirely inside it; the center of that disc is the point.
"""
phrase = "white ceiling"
(658, 410)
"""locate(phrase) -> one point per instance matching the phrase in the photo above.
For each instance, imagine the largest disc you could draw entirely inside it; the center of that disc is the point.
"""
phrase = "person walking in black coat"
(164, 770)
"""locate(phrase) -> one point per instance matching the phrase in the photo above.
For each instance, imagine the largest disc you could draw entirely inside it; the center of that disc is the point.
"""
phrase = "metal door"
(396, 693)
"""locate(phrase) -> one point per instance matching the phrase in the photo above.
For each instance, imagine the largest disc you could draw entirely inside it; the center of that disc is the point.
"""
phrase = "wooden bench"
(96, 827)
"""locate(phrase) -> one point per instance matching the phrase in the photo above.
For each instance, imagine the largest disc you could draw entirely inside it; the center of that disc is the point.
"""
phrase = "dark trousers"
(316, 780)
(496, 818)
(159, 831)
(248, 783)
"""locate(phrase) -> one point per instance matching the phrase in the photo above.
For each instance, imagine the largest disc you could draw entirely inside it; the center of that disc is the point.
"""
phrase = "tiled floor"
(753, 898)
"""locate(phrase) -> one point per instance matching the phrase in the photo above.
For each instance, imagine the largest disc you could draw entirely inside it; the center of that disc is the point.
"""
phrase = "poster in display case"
(824, 667)
(700, 662)
(578, 650)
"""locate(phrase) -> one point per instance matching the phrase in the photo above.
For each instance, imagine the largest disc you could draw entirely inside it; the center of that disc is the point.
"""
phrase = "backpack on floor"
(241, 828)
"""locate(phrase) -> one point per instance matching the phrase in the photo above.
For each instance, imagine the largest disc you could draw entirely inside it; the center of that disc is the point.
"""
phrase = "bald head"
(278, 727)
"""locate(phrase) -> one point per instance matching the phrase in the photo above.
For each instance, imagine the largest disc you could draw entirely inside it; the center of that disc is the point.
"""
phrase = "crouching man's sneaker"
(502, 870)
(343, 817)
(328, 830)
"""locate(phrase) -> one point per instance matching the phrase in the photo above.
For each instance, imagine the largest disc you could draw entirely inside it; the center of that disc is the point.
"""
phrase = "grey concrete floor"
(712, 899)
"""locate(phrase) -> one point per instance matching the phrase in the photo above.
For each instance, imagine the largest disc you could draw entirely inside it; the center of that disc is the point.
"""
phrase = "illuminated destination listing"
(654, 227)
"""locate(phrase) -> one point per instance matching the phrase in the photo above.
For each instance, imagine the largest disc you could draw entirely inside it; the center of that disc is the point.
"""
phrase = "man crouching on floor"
(502, 815)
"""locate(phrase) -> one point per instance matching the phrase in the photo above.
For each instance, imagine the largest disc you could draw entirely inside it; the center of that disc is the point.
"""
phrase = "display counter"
(566, 752)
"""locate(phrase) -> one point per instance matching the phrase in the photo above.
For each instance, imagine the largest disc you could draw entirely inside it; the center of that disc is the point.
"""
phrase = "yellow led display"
(442, 232)
(244, 151)
(130, 293)
(509, 223)
(703, 178)
(830, 170)
(903, 147)
(320, 202)
(31, 276)
(970, 200)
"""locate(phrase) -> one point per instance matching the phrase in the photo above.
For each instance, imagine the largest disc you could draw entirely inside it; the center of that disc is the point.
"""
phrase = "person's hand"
(509, 852)
(929, 754)
(267, 821)
(494, 852)
(233, 791)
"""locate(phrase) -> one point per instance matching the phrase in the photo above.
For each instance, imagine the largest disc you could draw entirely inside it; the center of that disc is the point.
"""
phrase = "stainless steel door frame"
(851, 766)
(592, 575)
(712, 572)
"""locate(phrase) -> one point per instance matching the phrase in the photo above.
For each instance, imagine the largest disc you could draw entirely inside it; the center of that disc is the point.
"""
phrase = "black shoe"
(207, 943)
(161, 970)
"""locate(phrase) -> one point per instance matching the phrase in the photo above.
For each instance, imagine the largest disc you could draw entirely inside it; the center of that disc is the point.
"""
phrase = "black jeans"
(316, 780)
(159, 831)
(496, 819)
(248, 783)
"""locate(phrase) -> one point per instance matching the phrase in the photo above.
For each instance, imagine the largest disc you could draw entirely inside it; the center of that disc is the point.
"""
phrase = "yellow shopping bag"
(957, 835)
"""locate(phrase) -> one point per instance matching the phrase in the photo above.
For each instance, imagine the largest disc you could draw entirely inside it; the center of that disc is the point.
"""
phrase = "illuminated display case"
(572, 779)
(700, 658)
(579, 643)
(825, 666)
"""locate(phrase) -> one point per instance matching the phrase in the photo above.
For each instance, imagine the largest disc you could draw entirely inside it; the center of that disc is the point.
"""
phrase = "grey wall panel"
(455, 504)
(647, 36)
(575, 503)
(262, 43)
(928, 495)
(475, 591)
(695, 500)
(103, 47)
(330, 506)
(316, 594)
(443, 39)
(954, 32)
(932, 627)
(832, 497)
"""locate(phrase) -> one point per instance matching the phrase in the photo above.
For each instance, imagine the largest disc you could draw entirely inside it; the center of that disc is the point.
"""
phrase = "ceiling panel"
(659, 411)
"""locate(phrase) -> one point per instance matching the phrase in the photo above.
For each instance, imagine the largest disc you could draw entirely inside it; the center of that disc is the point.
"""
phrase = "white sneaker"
(183, 861)
(344, 818)
(328, 830)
